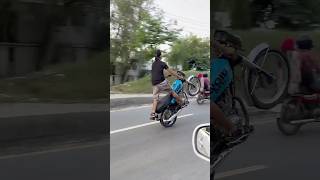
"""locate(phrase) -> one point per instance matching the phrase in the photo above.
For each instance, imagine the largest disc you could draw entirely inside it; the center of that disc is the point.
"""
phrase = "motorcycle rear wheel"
(283, 122)
(200, 99)
(165, 116)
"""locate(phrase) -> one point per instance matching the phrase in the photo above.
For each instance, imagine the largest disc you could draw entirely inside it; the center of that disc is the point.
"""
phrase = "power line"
(188, 21)
(186, 18)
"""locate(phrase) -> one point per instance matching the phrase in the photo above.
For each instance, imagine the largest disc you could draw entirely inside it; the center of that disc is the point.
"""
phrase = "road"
(270, 155)
(78, 162)
(55, 155)
(141, 149)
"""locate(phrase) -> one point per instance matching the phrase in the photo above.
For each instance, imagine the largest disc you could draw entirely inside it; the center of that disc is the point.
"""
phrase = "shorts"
(161, 87)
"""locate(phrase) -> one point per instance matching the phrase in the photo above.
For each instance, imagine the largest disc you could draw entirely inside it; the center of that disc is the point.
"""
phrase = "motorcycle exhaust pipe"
(174, 116)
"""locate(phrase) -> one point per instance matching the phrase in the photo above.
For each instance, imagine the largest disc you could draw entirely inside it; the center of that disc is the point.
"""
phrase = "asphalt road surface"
(142, 149)
(68, 162)
(270, 155)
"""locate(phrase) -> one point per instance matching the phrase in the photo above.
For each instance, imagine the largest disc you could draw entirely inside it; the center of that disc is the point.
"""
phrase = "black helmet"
(158, 53)
(304, 42)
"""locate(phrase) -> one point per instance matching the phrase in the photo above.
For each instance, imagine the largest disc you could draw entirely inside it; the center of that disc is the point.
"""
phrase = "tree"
(137, 29)
(288, 14)
(189, 48)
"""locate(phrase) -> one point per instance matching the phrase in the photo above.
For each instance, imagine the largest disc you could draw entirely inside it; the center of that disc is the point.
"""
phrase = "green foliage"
(137, 29)
(143, 85)
(189, 48)
(287, 14)
(68, 82)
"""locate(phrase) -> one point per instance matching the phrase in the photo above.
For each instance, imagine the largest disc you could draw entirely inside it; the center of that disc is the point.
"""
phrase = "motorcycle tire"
(279, 97)
(165, 116)
(283, 122)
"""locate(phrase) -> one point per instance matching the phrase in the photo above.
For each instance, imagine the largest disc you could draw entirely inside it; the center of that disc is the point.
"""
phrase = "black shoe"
(153, 116)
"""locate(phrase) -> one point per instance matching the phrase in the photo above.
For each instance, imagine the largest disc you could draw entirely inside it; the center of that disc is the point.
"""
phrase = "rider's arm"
(217, 118)
(171, 71)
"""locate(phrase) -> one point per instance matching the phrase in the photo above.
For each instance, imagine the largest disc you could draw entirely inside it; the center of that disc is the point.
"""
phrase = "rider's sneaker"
(153, 116)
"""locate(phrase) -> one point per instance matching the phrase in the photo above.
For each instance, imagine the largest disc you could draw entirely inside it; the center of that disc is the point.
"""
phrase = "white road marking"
(239, 171)
(264, 122)
(53, 150)
(143, 125)
(131, 108)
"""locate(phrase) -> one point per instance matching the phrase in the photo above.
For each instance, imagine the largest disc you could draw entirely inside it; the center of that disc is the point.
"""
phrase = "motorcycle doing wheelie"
(167, 109)
(259, 79)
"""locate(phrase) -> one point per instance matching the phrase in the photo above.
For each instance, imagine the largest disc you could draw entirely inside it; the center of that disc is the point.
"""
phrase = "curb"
(126, 102)
(28, 127)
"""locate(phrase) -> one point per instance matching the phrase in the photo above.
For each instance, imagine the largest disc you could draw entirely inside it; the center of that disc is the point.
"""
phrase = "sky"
(191, 15)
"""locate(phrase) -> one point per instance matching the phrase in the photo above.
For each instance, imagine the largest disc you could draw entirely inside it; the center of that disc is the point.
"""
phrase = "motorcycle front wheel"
(266, 92)
(193, 86)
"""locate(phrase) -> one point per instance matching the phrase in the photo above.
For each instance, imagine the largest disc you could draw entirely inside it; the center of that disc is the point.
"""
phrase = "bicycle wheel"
(265, 91)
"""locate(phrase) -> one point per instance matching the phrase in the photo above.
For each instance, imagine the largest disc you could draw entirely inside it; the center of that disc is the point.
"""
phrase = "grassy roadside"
(142, 85)
(252, 38)
(64, 83)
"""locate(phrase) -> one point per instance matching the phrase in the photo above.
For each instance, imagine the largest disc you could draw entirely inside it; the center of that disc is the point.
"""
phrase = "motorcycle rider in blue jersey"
(225, 58)
(221, 74)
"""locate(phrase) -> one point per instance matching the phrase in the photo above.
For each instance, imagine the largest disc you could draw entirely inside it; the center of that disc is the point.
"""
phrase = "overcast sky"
(192, 15)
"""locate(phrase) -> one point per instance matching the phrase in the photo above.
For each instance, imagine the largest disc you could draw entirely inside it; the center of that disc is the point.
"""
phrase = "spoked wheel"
(193, 86)
(165, 117)
(289, 111)
(266, 91)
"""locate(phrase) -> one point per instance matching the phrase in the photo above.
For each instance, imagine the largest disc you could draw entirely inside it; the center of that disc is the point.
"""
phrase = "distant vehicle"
(298, 110)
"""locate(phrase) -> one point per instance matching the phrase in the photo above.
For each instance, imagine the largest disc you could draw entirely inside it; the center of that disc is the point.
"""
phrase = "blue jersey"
(221, 76)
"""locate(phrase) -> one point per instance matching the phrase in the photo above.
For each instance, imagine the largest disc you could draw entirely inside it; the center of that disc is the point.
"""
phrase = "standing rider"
(160, 84)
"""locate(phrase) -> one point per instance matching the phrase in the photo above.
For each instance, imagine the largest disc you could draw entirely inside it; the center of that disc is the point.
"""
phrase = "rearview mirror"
(201, 141)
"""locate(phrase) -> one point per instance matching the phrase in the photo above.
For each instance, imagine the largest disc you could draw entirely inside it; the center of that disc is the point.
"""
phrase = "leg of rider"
(155, 99)
(154, 105)
(201, 84)
(178, 98)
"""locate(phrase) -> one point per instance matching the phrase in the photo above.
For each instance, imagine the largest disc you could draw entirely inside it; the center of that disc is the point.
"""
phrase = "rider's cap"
(158, 53)
(304, 41)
